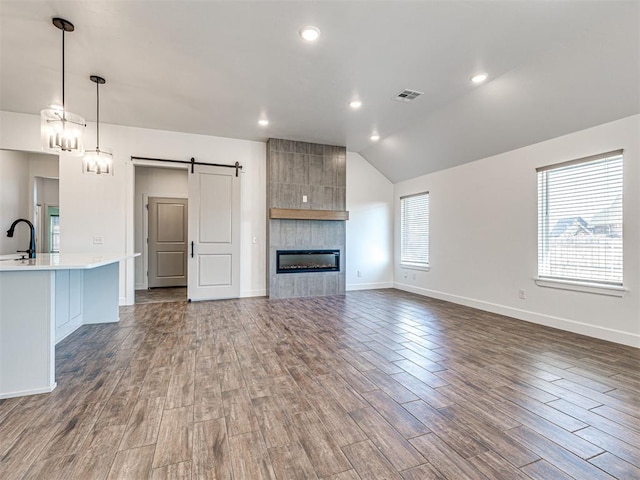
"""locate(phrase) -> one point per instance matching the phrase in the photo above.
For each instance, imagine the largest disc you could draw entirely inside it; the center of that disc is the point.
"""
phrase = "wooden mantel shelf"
(301, 214)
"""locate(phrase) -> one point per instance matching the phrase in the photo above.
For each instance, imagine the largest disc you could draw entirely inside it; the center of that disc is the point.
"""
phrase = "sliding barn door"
(214, 233)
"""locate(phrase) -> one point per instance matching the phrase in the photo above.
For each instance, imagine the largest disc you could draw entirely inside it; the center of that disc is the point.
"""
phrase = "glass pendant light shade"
(98, 161)
(61, 131)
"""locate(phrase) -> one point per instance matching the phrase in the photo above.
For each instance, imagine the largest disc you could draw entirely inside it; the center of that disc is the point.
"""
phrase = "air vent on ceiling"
(407, 95)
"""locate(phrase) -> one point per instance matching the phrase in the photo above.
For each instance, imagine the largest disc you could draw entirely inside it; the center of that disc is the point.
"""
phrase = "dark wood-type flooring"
(161, 295)
(371, 385)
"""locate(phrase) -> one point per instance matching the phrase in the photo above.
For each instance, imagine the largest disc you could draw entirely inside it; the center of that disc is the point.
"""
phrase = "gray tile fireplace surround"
(295, 170)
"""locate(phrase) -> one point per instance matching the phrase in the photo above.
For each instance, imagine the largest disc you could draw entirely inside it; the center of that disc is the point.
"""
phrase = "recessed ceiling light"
(479, 78)
(355, 104)
(263, 122)
(310, 33)
(375, 137)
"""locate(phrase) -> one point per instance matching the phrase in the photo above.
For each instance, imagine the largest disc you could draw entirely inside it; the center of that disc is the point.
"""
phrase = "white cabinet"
(68, 298)
(42, 301)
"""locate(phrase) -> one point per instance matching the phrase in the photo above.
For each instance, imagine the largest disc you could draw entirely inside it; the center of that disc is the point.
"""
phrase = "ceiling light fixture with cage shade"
(62, 131)
(98, 161)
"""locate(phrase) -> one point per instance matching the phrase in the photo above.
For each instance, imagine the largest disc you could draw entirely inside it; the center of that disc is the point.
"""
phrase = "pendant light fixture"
(61, 131)
(98, 161)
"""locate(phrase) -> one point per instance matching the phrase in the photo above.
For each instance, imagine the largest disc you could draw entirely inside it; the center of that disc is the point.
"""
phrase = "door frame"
(145, 231)
(145, 218)
(129, 298)
(46, 222)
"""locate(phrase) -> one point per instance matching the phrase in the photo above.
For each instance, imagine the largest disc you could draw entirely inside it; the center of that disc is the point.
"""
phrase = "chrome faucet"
(31, 251)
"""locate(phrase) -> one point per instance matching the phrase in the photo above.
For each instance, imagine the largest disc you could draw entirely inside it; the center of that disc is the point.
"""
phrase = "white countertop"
(60, 261)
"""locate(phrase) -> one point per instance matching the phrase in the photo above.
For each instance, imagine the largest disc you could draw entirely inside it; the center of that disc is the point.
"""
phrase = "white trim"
(415, 266)
(368, 286)
(598, 289)
(67, 330)
(602, 333)
(44, 232)
(145, 240)
(261, 292)
(115, 320)
(129, 294)
(24, 393)
(145, 213)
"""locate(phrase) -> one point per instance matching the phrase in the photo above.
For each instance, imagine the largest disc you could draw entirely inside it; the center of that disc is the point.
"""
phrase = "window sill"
(597, 289)
(410, 266)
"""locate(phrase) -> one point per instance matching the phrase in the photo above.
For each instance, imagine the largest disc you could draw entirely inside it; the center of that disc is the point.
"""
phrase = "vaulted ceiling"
(216, 67)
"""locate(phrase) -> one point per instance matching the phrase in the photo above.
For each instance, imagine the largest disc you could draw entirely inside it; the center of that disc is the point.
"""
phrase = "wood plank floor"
(161, 295)
(371, 385)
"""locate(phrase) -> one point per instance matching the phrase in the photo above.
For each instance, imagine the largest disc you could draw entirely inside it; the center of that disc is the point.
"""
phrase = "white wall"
(46, 191)
(104, 205)
(483, 221)
(14, 200)
(43, 175)
(20, 173)
(46, 194)
(50, 192)
(152, 182)
(43, 165)
(370, 226)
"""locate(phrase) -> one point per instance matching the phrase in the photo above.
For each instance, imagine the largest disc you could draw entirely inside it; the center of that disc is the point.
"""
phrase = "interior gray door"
(168, 242)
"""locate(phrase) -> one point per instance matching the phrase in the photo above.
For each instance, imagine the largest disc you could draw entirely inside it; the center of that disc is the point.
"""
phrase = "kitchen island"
(42, 301)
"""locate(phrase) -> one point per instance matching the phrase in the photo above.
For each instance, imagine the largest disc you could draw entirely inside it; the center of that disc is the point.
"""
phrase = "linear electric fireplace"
(297, 261)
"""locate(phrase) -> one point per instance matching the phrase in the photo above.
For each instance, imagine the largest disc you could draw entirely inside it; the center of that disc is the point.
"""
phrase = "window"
(414, 230)
(580, 220)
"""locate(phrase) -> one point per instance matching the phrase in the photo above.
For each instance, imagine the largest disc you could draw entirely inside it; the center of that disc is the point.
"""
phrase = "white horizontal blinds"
(580, 220)
(414, 230)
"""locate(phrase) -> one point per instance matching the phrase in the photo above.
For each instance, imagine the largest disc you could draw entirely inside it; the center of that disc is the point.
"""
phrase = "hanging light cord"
(97, 116)
(64, 112)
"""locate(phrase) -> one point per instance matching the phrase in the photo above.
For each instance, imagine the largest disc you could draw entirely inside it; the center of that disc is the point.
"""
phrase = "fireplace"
(306, 219)
(298, 261)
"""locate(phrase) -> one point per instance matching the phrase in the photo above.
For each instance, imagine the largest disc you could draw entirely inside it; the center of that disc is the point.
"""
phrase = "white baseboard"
(24, 393)
(103, 321)
(603, 333)
(261, 292)
(368, 286)
(63, 333)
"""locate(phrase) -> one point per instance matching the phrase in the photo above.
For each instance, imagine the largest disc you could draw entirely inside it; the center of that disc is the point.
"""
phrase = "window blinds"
(414, 230)
(580, 220)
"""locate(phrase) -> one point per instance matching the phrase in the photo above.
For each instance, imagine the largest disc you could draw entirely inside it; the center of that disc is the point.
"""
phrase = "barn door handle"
(191, 249)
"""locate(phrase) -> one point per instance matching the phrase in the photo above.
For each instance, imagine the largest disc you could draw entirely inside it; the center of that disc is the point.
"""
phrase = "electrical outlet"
(405, 275)
(522, 294)
(255, 240)
(359, 274)
(304, 199)
(98, 240)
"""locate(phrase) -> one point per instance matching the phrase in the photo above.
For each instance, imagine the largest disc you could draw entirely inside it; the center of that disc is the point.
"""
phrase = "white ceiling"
(215, 67)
